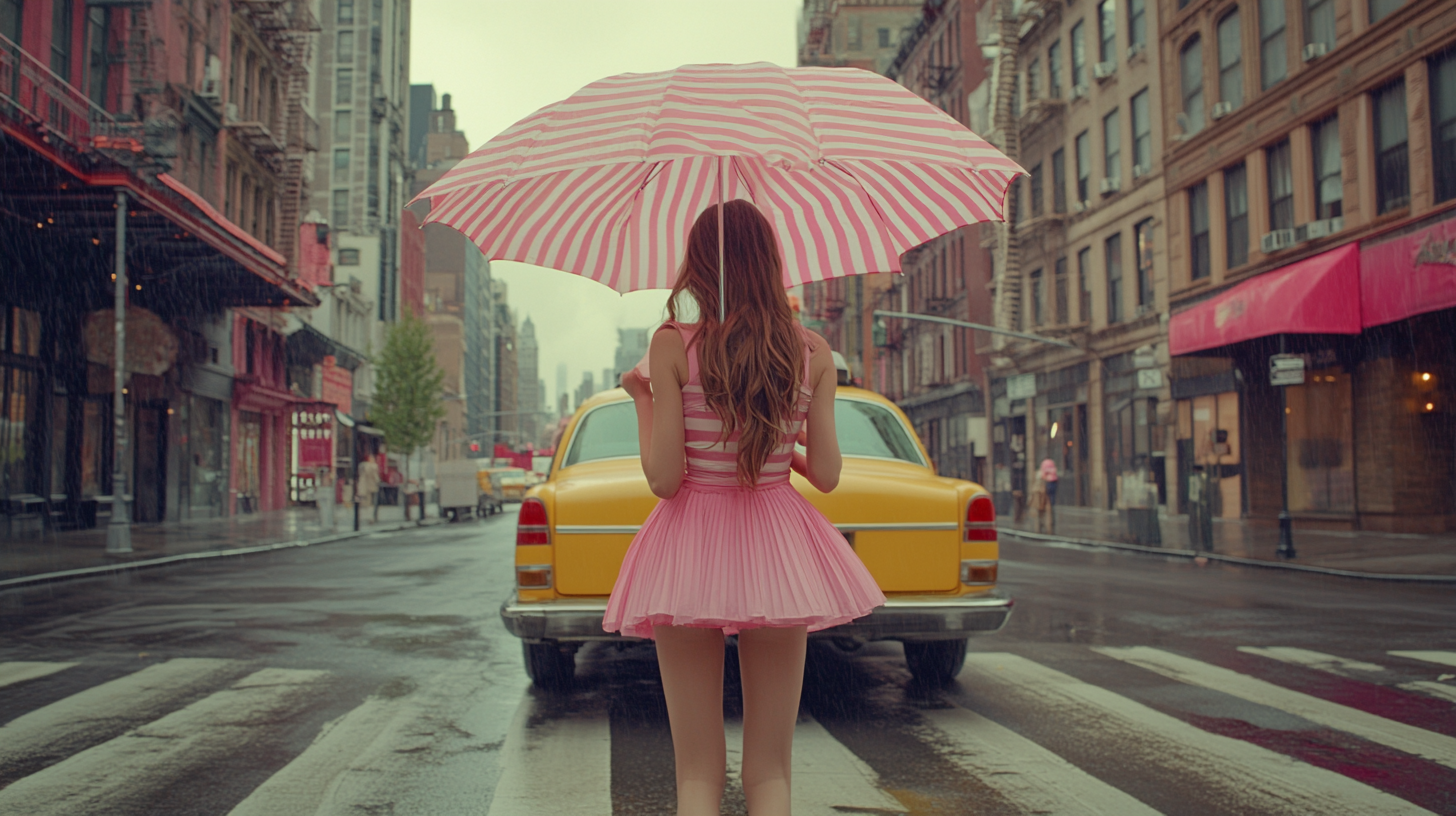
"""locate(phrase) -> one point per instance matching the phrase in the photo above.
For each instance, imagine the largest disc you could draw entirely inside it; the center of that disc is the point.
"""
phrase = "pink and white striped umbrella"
(851, 168)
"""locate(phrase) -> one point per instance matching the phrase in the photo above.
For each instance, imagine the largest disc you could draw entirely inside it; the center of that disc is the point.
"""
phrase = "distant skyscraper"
(527, 397)
(560, 380)
(631, 348)
(585, 390)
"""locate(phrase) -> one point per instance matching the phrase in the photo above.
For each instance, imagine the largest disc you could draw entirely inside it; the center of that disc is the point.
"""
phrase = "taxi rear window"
(609, 432)
(867, 429)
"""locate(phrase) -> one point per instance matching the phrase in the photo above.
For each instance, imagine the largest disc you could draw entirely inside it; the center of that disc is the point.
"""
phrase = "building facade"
(529, 397)
(1312, 185)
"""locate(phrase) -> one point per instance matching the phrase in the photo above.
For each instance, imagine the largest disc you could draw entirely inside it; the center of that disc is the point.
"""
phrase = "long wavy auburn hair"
(750, 364)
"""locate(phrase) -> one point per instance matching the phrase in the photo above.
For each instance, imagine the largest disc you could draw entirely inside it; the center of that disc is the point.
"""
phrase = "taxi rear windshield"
(864, 429)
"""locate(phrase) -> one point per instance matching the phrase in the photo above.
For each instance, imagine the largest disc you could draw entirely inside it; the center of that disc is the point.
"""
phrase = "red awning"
(1409, 275)
(1318, 295)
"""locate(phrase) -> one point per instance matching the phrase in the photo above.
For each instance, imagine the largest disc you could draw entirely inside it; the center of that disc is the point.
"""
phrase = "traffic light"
(475, 447)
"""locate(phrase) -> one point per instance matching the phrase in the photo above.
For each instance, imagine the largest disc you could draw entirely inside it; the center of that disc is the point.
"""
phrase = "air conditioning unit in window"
(1110, 185)
(212, 78)
(1277, 240)
(1222, 109)
(231, 114)
(1079, 91)
(1315, 50)
(1140, 170)
(1319, 229)
(1135, 49)
(1081, 206)
(1103, 70)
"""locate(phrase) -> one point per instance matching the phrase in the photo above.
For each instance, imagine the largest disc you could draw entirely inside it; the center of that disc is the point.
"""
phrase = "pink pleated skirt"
(734, 559)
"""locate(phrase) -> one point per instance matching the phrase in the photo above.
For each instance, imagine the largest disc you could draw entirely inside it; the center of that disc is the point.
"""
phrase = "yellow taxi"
(929, 541)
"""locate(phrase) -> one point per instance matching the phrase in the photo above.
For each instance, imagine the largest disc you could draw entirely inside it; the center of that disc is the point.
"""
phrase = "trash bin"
(1200, 511)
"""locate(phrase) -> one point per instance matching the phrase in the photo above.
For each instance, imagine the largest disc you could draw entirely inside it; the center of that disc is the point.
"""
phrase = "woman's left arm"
(659, 415)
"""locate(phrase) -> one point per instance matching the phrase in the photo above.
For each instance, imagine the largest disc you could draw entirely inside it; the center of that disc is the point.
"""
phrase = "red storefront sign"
(336, 385)
(1409, 275)
(313, 429)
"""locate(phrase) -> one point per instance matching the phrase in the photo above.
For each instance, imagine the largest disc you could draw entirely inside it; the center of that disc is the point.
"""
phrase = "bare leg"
(691, 662)
(772, 663)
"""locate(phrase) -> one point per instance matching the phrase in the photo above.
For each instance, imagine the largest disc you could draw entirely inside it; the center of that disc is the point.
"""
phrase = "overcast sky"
(500, 60)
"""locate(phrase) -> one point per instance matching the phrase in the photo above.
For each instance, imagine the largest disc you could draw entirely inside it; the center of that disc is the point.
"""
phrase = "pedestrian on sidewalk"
(1048, 474)
(733, 548)
(368, 489)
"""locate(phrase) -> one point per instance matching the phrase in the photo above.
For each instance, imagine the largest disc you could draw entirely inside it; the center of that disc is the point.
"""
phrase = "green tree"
(407, 387)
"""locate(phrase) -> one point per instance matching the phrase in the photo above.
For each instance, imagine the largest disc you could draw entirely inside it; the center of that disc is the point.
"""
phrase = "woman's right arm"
(822, 461)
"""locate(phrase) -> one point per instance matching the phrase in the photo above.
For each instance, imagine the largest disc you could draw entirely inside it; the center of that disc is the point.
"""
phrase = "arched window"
(1190, 62)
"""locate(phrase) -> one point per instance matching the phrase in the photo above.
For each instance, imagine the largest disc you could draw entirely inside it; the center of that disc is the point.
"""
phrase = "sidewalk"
(31, 558)
(1361, 553)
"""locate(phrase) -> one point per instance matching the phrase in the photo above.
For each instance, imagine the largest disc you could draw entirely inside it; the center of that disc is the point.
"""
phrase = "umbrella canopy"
(851, 169)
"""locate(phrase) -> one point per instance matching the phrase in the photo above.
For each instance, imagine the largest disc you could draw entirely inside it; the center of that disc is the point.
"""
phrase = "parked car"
(929, 541)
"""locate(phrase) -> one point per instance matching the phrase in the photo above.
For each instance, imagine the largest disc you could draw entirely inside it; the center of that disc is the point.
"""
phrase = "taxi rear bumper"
(903, 617)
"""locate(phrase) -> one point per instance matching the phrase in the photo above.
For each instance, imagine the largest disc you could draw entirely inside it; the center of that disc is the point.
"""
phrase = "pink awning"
(1409, 275)
(1318, 295)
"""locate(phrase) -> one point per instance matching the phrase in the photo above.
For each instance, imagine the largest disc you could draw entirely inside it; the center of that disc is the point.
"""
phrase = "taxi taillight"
(980, 519)
(531, 525)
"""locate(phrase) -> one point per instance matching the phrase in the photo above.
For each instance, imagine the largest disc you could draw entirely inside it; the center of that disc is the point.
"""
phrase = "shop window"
(19, 331)
(1036, 191)
(1319, 23)
(344, 48)
(1321, 462)
(1079, 55)
(1059, 181)
(1137, 23)
(1236, 215)
(1273, 61)
(1084, 285)
(1112, 146)
(1230, 60)
(1199, 260)
(1114, 278)
(1143, 245)
(1107, 31)
(1380, 9)
(1442, 72)
(1059, 295)
(19, 399)
(1054, 70)
(1281, 186)
(1037, 299)
(1392, 166)
(1329, 189)
(1190, 63)
(1084, 166)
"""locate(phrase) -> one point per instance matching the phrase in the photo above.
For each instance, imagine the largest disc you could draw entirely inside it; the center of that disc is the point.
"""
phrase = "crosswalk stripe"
(1025, 773)
(1312, 659)
(561, 764)
(119, 775)
(1443, 658)
(1418, 741)
(1241, 776)
(826, 779)
(355, 759)
(99, 713)
(1443, 690)
(21, 670)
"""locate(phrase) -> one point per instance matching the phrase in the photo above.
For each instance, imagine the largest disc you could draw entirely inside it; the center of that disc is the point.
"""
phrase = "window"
(10, 19)
(1142, 132)
(96, 62)
(1032, 86)
(884, 36)
(346, 12)
(856, 34)
(341, 160)
(1273, 66)
(1230, 60)
(1329, 189)
(1392, 171)
(343, 127)
(1143, 244)
(1018, 199)
(1059, 181)
(1236, 215)
(1137, 23)
(1036, 299)
(1059, 297)
(1107, 31)
(1079, 55)
(62, 12)
(1084, 285)
(340, 216)
(1084, 166)
(1054, 70)
(1380, 8)
(1199, 262)
(1016, 96)
(1036, 193)
(1111, 147)
(344, 87)
(344, 49)
(348, 257)
(1280, 169)
(1319, 23)
(1442, 75)
(1191, 68)
(1114, 278)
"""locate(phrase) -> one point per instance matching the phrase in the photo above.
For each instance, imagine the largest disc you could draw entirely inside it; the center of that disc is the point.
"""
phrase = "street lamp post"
(118, 531)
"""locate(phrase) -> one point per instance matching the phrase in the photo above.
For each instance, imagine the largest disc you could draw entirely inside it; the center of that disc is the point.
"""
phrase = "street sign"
(1286, 369)
(1021, 386)
(1149, 378)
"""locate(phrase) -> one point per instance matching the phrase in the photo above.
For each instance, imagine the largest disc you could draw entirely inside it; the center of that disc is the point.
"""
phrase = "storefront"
(1368, 439)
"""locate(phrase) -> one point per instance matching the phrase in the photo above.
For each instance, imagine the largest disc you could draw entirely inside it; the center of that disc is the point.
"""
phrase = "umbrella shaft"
(722, 301)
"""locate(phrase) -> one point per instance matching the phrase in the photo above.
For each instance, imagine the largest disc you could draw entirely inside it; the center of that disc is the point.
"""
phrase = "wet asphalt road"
(374, 677)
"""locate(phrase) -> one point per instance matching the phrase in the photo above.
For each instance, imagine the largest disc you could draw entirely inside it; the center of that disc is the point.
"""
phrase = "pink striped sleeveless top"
(713, 461)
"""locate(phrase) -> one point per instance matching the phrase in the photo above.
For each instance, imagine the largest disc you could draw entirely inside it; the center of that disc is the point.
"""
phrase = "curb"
(150, 563)
(1044, 538)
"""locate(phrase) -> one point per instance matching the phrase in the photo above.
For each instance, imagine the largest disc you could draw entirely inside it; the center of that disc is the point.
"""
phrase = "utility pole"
(118, 532)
